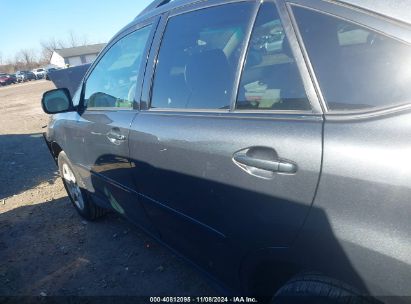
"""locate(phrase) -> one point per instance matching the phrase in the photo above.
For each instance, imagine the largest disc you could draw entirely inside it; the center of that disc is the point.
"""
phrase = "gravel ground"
(45, 247)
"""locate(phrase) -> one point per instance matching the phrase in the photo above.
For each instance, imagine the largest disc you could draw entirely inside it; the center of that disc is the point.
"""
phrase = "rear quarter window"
(357, 68)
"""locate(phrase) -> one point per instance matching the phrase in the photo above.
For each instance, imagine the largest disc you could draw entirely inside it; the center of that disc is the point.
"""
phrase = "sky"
(26, 23)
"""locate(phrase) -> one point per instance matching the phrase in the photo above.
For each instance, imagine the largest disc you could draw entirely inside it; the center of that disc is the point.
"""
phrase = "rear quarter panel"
(364, 196)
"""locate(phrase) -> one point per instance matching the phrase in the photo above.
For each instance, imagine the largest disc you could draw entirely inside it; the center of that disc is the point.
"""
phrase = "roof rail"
(153, 5)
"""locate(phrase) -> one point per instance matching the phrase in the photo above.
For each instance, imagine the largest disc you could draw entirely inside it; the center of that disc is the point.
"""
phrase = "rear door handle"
(276, 165)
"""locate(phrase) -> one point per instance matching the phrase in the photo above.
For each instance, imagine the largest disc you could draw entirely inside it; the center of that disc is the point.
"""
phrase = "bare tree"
(49, 46)
(28, 58)
(74, 40)
(52, 44)
(17, 62)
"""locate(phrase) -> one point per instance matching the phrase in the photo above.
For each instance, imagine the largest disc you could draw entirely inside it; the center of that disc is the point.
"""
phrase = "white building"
(76, 56)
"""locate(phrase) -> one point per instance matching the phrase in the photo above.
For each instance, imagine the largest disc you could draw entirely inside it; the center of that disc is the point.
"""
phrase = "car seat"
(207, 76)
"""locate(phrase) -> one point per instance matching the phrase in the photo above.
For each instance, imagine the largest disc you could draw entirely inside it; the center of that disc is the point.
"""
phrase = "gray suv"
(268, 142)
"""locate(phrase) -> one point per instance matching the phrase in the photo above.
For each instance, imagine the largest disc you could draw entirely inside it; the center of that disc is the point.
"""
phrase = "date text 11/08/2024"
(202, 300)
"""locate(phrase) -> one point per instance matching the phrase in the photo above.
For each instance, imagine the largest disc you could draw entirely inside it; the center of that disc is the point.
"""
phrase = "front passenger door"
(109, 101)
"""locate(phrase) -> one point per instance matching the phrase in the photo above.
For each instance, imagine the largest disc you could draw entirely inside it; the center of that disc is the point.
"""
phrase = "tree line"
(30, 58)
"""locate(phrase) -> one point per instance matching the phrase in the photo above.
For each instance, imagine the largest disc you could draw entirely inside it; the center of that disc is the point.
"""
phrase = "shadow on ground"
(24, 163)
(47, 248)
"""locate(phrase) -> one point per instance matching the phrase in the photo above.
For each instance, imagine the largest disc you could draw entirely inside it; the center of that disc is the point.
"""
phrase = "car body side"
(357, 228)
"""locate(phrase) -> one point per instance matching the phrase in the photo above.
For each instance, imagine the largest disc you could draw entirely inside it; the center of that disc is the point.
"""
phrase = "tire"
(314, 288)
(78, 196)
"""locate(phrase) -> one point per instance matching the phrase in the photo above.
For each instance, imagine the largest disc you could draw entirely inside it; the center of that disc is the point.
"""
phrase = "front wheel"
(78, 196)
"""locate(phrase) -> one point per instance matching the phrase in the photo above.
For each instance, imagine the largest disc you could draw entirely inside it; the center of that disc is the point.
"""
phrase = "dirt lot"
(45, 247)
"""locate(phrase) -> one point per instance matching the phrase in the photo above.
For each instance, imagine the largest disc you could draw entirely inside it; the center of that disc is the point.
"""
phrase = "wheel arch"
(264, 271)
(55, 149)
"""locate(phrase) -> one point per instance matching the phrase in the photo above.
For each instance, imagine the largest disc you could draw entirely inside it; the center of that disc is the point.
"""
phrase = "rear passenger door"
(227, 155)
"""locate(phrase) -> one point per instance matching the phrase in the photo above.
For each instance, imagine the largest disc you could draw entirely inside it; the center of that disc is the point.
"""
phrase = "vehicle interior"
(211, 55)
(113, 81)
(271, 79)
(358, 55)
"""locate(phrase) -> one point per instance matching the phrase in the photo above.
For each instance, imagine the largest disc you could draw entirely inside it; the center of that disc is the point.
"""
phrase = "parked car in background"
(48, 71)
(40, 73)
(23, 76)
(268, 142)
(30, 75)
(6, 79)
(13, 75)
(20, 76)
(69, 78)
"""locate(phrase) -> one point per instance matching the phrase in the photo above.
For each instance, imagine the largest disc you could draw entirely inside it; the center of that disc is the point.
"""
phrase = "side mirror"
(57, 101)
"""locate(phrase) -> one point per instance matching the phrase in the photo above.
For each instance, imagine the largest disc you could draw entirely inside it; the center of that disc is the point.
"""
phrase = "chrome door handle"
(115, 137)
(276, 165)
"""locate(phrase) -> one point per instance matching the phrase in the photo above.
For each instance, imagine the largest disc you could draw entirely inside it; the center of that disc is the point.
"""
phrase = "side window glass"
(199, 57)
(112, 84)
(271, 79)
(356, 67)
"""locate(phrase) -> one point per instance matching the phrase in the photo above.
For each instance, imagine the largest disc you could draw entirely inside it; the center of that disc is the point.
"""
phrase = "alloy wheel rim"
(72, 186)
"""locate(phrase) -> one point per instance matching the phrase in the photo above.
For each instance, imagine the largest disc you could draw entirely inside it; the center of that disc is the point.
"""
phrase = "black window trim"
(294, 44)
(153, 22)
(392, 29)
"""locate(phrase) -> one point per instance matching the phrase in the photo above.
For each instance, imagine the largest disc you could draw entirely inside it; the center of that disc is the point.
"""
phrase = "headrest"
(211, 65)
(254, 58)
